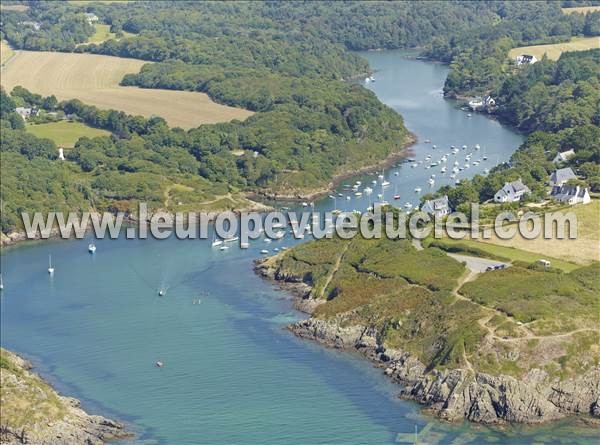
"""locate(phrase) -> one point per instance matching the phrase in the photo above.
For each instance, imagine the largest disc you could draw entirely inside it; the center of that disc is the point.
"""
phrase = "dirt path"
(334, 270)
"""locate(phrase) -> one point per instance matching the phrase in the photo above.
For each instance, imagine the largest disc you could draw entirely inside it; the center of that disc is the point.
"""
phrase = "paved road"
(476, 264)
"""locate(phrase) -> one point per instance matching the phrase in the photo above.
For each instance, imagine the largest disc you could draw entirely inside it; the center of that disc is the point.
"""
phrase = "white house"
(35, 25)
(91, 17)
(525, 59)
(563, 156)
(571, 194)
(24, 112)
(511, 192)
(561, 176)
(482, 103)
(437, 207)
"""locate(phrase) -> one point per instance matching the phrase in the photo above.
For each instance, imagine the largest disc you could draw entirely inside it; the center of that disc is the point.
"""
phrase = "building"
(561, 176)
(571, 194)
(35, 25)
(511, 192)
(563, 156)
(437, 207)
(482, 103)
(525, 59)
(24, 112)
(61, 153)
(91, 17)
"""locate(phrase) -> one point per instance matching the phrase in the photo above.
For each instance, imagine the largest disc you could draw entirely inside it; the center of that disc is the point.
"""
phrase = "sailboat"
(91, 248)
(50, 266)
(1, 283)
(216, 242)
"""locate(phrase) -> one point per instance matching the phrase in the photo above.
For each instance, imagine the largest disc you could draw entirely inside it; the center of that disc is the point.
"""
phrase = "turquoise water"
(232, 374)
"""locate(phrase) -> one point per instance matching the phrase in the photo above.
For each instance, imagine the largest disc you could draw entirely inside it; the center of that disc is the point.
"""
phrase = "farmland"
(94, 79)
(65, 133)
(555, 50)
(581, 9)
(6, 52)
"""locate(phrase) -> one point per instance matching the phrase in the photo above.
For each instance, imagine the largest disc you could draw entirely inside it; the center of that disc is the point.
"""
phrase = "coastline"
(450, 394)
(56, 419)
(337, 179)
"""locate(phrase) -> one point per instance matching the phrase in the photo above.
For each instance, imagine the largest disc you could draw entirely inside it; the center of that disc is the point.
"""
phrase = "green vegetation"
(103, 33)
(529, 295)
(409, 297)
(65, 133)
(31, 400)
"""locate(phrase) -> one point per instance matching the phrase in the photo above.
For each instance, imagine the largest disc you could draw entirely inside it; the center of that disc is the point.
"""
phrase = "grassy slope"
(65, 133)
(554, 51)
(409, 296)
(31, 399)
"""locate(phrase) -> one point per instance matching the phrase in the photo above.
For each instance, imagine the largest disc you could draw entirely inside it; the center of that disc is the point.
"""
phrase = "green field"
(103, 33)
(65, 133)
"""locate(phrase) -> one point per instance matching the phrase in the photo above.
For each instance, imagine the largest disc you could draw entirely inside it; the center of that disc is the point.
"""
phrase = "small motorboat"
(231, 239)
(418, 189)
(264, 251)
(224, 247)
(159, 364)
(162, 292)
(434, 146)
(477, 146)
(408, 205)
(50, 266)
(216, 242)
(385, 183)
(244, 245)
(396, 197)
(91, 248)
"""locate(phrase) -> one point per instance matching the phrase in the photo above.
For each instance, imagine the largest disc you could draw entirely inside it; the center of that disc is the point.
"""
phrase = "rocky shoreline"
(52, 419)
(451, 394)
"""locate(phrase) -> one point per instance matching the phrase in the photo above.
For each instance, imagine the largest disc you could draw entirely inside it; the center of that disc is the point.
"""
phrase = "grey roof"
(518, 186)
(568, 191)
(562, 175)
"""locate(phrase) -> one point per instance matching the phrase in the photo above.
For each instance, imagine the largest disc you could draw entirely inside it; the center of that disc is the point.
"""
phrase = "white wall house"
(571, 194)
(24, 112)
(437, 207)
(511, 192)
(561, 176)
(563, 156)
(525, 59)
(91, 17)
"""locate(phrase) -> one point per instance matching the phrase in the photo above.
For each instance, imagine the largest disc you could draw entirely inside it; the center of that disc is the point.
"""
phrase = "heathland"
(94, 79)
(428, 319)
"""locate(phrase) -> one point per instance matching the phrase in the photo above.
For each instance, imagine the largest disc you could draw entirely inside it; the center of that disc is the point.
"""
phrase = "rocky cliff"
(453, 394)
(33, 413)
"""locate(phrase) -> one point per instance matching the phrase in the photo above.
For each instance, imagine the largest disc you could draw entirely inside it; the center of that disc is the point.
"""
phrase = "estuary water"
(232, 373)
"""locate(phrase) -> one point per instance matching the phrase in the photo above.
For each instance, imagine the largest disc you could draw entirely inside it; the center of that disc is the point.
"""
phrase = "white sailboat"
(91, 248)
(50, 266)
(216, 242)
(1, 283)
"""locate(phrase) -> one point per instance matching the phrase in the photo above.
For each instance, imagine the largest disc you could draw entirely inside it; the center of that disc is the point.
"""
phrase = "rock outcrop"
(457, 394)
(33, 413)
